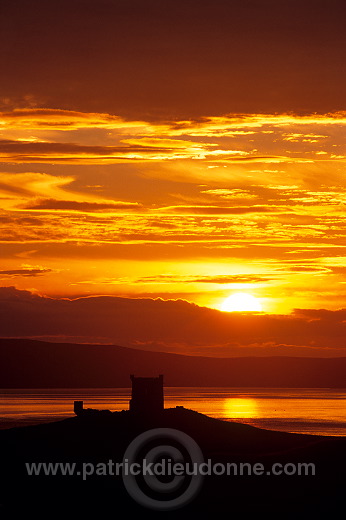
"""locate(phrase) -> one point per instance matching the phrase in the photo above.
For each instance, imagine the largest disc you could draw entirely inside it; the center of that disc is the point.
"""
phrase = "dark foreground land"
(96, 437)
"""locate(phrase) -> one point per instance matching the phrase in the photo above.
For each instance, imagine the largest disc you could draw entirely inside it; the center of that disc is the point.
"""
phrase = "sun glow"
(241, 302)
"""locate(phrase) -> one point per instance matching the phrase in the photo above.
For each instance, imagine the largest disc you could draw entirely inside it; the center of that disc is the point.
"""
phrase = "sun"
(241, 302)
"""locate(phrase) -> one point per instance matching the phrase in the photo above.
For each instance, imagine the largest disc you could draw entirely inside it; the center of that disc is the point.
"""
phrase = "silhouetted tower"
(147, 394)
(78, 407)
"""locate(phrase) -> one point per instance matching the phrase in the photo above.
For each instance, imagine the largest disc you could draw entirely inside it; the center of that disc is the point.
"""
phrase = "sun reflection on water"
(240, 407)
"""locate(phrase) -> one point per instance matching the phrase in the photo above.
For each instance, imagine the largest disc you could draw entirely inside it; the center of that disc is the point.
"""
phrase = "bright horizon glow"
(240, 302)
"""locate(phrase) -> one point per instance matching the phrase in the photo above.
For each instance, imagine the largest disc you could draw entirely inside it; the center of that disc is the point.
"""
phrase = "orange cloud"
(25, 271)
(85, 207)
(61, 136)
(33, 191)
(44, 118)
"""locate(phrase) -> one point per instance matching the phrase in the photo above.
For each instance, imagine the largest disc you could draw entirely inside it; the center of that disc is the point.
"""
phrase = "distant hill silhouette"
(35, 364)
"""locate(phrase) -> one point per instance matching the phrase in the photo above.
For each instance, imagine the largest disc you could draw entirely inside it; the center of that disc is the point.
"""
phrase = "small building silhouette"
(147, 394)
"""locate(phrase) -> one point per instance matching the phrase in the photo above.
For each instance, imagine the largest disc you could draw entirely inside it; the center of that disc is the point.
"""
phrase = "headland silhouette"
(100, 435)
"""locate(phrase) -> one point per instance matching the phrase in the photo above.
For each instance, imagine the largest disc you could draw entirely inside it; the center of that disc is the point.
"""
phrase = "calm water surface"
(319, 411)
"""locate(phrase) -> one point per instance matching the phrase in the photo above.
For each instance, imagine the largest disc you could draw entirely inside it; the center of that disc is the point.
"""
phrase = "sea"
(317, 411)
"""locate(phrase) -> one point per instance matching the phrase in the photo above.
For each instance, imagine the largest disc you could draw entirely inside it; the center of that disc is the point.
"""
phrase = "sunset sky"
(174, 150)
